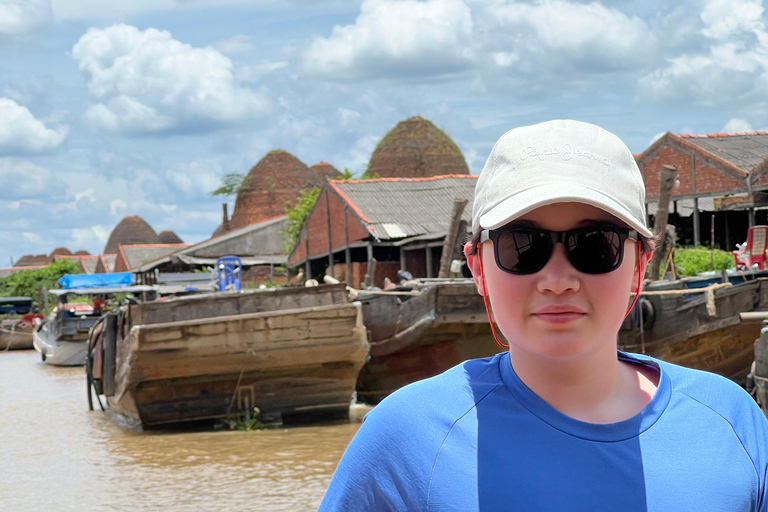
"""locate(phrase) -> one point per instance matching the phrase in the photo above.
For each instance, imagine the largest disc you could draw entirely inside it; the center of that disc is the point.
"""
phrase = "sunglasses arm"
(485, 297)
(639, 278)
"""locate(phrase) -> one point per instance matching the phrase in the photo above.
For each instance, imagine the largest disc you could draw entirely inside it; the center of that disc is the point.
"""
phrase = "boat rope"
(234, 393)
(709, 290)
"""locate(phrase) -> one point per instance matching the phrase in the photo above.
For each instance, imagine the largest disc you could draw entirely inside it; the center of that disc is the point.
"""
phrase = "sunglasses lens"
(522, 252)
(595, 251)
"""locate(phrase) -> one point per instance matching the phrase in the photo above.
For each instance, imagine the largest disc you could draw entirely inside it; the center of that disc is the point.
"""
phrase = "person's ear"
(473, 262)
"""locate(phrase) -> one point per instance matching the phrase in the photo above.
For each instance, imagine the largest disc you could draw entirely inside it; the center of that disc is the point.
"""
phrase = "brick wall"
(317, 228)
(709, 178)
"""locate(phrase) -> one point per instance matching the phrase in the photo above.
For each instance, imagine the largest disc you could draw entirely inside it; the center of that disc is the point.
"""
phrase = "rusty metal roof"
(745, 150)
(399, 208)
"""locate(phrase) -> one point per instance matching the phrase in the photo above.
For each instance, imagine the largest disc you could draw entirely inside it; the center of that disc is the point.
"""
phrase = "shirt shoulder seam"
(733, 429)
(437, 455)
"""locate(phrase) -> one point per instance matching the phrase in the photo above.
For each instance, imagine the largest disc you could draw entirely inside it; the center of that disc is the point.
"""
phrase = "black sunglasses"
(597, 249)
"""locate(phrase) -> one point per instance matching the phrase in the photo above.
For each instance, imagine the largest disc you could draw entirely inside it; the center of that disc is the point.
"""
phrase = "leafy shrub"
(26, 283)
(691, 261)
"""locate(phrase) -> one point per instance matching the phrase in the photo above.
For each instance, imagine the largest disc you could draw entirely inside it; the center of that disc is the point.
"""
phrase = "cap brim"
(523, 202)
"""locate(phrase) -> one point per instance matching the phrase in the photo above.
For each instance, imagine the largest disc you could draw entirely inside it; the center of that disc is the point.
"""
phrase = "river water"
(58, 456)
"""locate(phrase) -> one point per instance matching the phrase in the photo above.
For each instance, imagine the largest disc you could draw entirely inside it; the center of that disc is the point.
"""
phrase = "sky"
(113, 108)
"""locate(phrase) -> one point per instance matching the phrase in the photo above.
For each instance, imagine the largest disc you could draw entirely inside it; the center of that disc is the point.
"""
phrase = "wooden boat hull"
(685, 333)
(288, 362)
(15, 340)
(417, 337)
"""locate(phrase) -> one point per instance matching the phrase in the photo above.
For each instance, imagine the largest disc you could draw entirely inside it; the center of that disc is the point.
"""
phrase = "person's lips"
(559, 313)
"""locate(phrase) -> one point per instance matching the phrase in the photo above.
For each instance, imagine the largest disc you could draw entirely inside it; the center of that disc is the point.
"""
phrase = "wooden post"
(370, 273)
(696, 223)
(110, 353)
(307, 269)
(666, 182)
(450, 238)
(428, 254)
(347, 255)
(330, 238)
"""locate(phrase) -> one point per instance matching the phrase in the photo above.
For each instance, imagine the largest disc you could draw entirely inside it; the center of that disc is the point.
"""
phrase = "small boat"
(421, 332)
(62, 338)
(292, 353)
(706, 331)
(17, 334)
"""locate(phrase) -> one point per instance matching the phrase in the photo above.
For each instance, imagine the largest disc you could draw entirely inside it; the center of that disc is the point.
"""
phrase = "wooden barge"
(421, 333)
(681, 328)
(292, 353)
(11, 339)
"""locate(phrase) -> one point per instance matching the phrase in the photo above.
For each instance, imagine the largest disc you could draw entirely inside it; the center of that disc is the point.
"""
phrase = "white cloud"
(729, 68)
(23, 180)
(20, 16)
(347, 117)
(396, 38)
(117, 10)
(195, 178)
(146, 81)
(20, 132)
(658, 136)
(255, 72)
(94, 236)
(737, 125)
(117, 207)
(35, 238)
(234, 45)
(550, 43)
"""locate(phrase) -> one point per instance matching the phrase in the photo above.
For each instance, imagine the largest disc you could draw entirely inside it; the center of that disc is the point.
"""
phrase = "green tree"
(26, 283)
(297, 212)
(231, 184)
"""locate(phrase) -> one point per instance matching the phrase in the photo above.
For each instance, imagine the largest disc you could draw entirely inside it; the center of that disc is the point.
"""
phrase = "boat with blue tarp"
(62, 338)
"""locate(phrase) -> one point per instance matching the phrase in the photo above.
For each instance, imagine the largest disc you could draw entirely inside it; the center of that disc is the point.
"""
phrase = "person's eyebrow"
(524, 223)
(588, 223)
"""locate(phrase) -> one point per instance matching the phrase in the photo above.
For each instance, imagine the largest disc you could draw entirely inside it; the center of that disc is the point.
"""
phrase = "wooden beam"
(330, 238)
(696, 223)
(666, 182)
(347, 252)
(450, 239)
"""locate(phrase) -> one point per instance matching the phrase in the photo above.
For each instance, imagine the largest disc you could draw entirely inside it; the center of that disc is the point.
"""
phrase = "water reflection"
(61, 457)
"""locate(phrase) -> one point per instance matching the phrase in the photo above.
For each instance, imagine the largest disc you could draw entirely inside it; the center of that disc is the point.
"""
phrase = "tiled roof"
(406, 207)
(745, 150)
(135, 255)
(32, 260)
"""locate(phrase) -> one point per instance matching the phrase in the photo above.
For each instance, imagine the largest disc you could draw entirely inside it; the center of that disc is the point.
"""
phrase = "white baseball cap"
(556, 162)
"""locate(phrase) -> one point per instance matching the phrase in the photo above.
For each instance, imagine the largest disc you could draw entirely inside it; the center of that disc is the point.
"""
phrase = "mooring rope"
(709, 290)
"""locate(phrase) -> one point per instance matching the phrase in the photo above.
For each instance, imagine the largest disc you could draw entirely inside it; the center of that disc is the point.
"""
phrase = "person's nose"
(558, 276)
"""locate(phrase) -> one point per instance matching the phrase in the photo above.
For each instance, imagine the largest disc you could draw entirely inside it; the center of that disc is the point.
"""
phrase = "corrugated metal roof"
(399, 208)
(90, 264)
(744, 150)
(110, 260)
(138, 254)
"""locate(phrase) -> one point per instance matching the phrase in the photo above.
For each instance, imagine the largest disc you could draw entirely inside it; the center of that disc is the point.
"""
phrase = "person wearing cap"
(561, 420)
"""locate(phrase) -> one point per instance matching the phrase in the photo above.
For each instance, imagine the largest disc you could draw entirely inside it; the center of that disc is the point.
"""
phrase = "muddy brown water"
(58, 456)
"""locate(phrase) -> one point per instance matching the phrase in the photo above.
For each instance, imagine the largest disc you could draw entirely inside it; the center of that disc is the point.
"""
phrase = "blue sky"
(111, 108)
